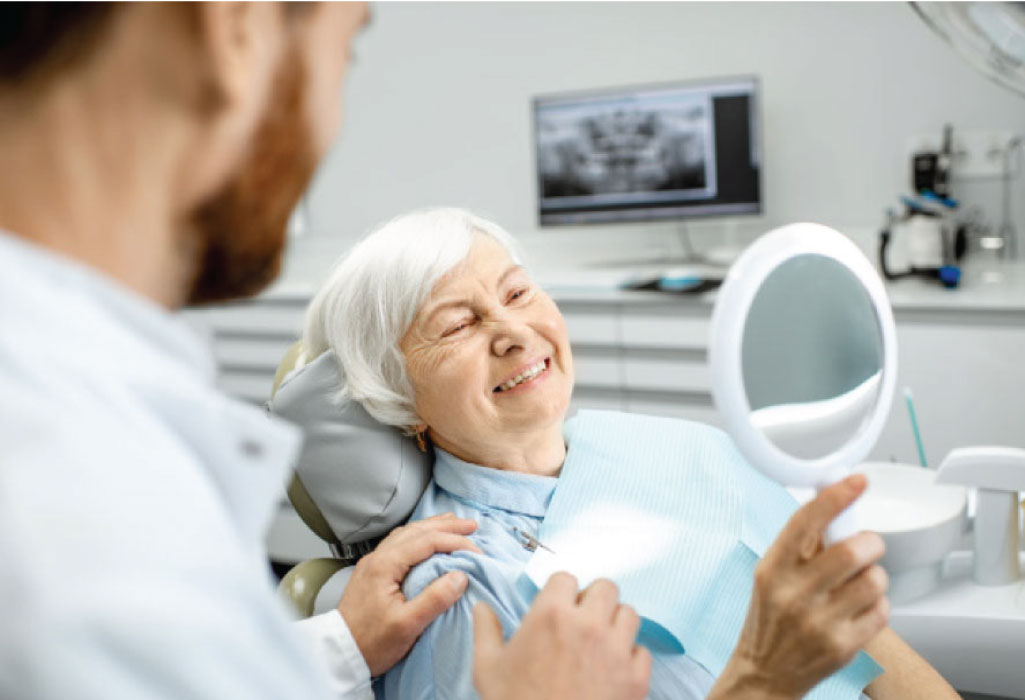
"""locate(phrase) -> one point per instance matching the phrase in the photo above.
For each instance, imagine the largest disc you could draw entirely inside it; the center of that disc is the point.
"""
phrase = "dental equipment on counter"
(924, 241)
(998, 473)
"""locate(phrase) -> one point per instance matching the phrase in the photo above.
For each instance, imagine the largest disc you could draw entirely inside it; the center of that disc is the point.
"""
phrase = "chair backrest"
(355, 479)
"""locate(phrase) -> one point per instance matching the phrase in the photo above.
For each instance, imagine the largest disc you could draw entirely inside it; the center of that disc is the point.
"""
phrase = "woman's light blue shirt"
(440, 664)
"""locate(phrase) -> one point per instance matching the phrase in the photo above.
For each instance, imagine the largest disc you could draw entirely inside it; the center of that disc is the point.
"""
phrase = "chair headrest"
(365, 477)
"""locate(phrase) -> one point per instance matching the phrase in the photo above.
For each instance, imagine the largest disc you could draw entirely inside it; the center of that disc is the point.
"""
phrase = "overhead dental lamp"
(989, 35)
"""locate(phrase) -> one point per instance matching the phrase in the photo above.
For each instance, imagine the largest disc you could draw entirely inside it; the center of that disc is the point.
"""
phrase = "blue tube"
(914, 426)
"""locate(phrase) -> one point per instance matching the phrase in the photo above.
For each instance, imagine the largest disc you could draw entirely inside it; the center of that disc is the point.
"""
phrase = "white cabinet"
(966, 370)
(641, 352)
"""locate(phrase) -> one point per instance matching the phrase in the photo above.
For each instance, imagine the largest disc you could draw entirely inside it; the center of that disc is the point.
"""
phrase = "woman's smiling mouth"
(526, 375)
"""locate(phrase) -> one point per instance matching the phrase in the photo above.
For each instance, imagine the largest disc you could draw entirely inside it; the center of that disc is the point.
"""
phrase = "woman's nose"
(509, 336)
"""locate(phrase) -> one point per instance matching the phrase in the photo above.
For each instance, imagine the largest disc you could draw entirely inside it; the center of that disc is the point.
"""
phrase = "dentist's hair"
(371, 298)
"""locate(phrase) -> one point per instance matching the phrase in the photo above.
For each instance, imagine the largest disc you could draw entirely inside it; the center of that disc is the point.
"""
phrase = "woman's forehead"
(487, 263)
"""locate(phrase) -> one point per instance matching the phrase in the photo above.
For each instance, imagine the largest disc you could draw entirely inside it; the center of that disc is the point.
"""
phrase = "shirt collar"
(528, 494)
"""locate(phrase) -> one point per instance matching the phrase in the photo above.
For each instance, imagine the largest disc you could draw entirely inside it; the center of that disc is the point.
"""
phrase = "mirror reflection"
(811, 357)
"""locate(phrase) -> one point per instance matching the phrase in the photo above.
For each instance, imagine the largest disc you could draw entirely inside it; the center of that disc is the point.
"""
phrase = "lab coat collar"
(515, 492)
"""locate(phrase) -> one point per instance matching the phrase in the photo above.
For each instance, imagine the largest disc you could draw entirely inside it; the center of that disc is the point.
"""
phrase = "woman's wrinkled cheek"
(436, 381)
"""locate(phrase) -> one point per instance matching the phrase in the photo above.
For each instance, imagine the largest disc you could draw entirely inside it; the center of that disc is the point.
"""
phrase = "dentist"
(152, 154)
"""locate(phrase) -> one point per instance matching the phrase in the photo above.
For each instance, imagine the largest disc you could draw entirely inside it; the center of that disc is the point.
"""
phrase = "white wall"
(438, 110)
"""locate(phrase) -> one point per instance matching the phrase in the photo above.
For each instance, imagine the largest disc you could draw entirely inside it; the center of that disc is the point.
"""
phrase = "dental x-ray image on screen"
(648, 153)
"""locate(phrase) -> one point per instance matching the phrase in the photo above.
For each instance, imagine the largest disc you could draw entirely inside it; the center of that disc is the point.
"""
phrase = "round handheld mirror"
(803, 356)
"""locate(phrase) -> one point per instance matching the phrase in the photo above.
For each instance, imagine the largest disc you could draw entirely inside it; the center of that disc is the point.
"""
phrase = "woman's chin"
(540, 412)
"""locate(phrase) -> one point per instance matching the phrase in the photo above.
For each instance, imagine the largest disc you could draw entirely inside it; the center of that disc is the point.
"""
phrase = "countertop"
(993, 287)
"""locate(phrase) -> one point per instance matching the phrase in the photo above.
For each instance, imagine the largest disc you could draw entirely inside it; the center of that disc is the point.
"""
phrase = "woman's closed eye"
(457, 327)
(519, 294)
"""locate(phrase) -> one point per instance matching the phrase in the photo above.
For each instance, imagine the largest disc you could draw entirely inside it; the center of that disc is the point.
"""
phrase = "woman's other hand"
(384, 624)
(570, 646)
(812, 608)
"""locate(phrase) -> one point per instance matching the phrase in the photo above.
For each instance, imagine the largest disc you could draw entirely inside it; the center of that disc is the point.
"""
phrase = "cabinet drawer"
(592, 329)
(597, 371)
(283, 320)
(665, 374)
(252, 353)
(669, 331)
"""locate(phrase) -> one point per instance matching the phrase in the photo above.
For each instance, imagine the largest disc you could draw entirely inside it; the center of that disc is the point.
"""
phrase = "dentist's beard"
(237, 238)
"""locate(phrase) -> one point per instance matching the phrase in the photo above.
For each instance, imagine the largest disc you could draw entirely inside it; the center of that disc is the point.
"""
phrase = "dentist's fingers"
(487, 641)
(568, 647)
(438, 597)
(627, 623)
(561, 587)
(383, 623)
(640, 664)
(416, 543)
(600, 599)
(439, 523)
(801, 537)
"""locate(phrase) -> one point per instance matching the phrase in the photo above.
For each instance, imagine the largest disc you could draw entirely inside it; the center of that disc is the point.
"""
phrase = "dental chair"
(353, 482)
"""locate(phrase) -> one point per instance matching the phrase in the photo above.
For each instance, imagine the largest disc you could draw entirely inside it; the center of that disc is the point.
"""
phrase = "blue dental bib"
(671, 512)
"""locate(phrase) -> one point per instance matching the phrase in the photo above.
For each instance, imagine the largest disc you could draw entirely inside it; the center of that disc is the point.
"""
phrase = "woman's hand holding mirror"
(812, 608)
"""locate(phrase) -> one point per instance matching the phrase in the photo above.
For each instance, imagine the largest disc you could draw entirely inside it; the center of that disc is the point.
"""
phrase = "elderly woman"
(440, 330)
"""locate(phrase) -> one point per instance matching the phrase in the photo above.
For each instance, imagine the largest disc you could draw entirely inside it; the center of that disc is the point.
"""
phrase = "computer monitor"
(646, 153)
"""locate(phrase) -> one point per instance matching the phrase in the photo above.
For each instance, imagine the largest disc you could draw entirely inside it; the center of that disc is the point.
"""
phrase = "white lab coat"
(133, 502)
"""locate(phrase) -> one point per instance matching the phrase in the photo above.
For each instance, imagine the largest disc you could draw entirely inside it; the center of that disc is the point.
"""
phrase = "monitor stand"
(717, 259)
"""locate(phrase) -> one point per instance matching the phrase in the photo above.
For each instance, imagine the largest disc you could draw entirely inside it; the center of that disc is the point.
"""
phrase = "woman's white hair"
(372, 295)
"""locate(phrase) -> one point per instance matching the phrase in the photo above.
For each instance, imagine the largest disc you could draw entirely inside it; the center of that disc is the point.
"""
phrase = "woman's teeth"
(527, 375)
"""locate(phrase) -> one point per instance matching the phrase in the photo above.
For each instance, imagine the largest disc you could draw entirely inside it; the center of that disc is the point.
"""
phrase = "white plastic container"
(920, 521)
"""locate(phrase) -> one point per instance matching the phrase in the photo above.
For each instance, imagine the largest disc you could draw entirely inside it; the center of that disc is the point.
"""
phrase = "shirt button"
(252, 449)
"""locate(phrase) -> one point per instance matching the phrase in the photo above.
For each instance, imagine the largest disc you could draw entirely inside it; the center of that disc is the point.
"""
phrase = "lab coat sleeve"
(333, 646)
(131, 581)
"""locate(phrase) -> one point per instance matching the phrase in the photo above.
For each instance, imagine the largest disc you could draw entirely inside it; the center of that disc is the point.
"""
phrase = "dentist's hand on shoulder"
(384, 624)
(811, 609)
(570, 646)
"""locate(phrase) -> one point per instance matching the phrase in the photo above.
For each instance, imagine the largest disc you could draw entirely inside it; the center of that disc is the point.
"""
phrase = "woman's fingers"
(860, 594)
(851, 635)
(800, 538)
(844, 560)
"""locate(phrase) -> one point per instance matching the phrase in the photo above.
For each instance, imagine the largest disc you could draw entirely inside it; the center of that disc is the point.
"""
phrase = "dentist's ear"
(240, 44)
(221, 77)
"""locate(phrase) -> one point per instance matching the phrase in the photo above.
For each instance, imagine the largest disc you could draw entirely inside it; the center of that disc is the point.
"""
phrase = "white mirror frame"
(725, 350)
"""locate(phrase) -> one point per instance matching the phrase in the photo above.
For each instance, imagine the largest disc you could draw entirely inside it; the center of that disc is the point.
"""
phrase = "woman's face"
(488, 356)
